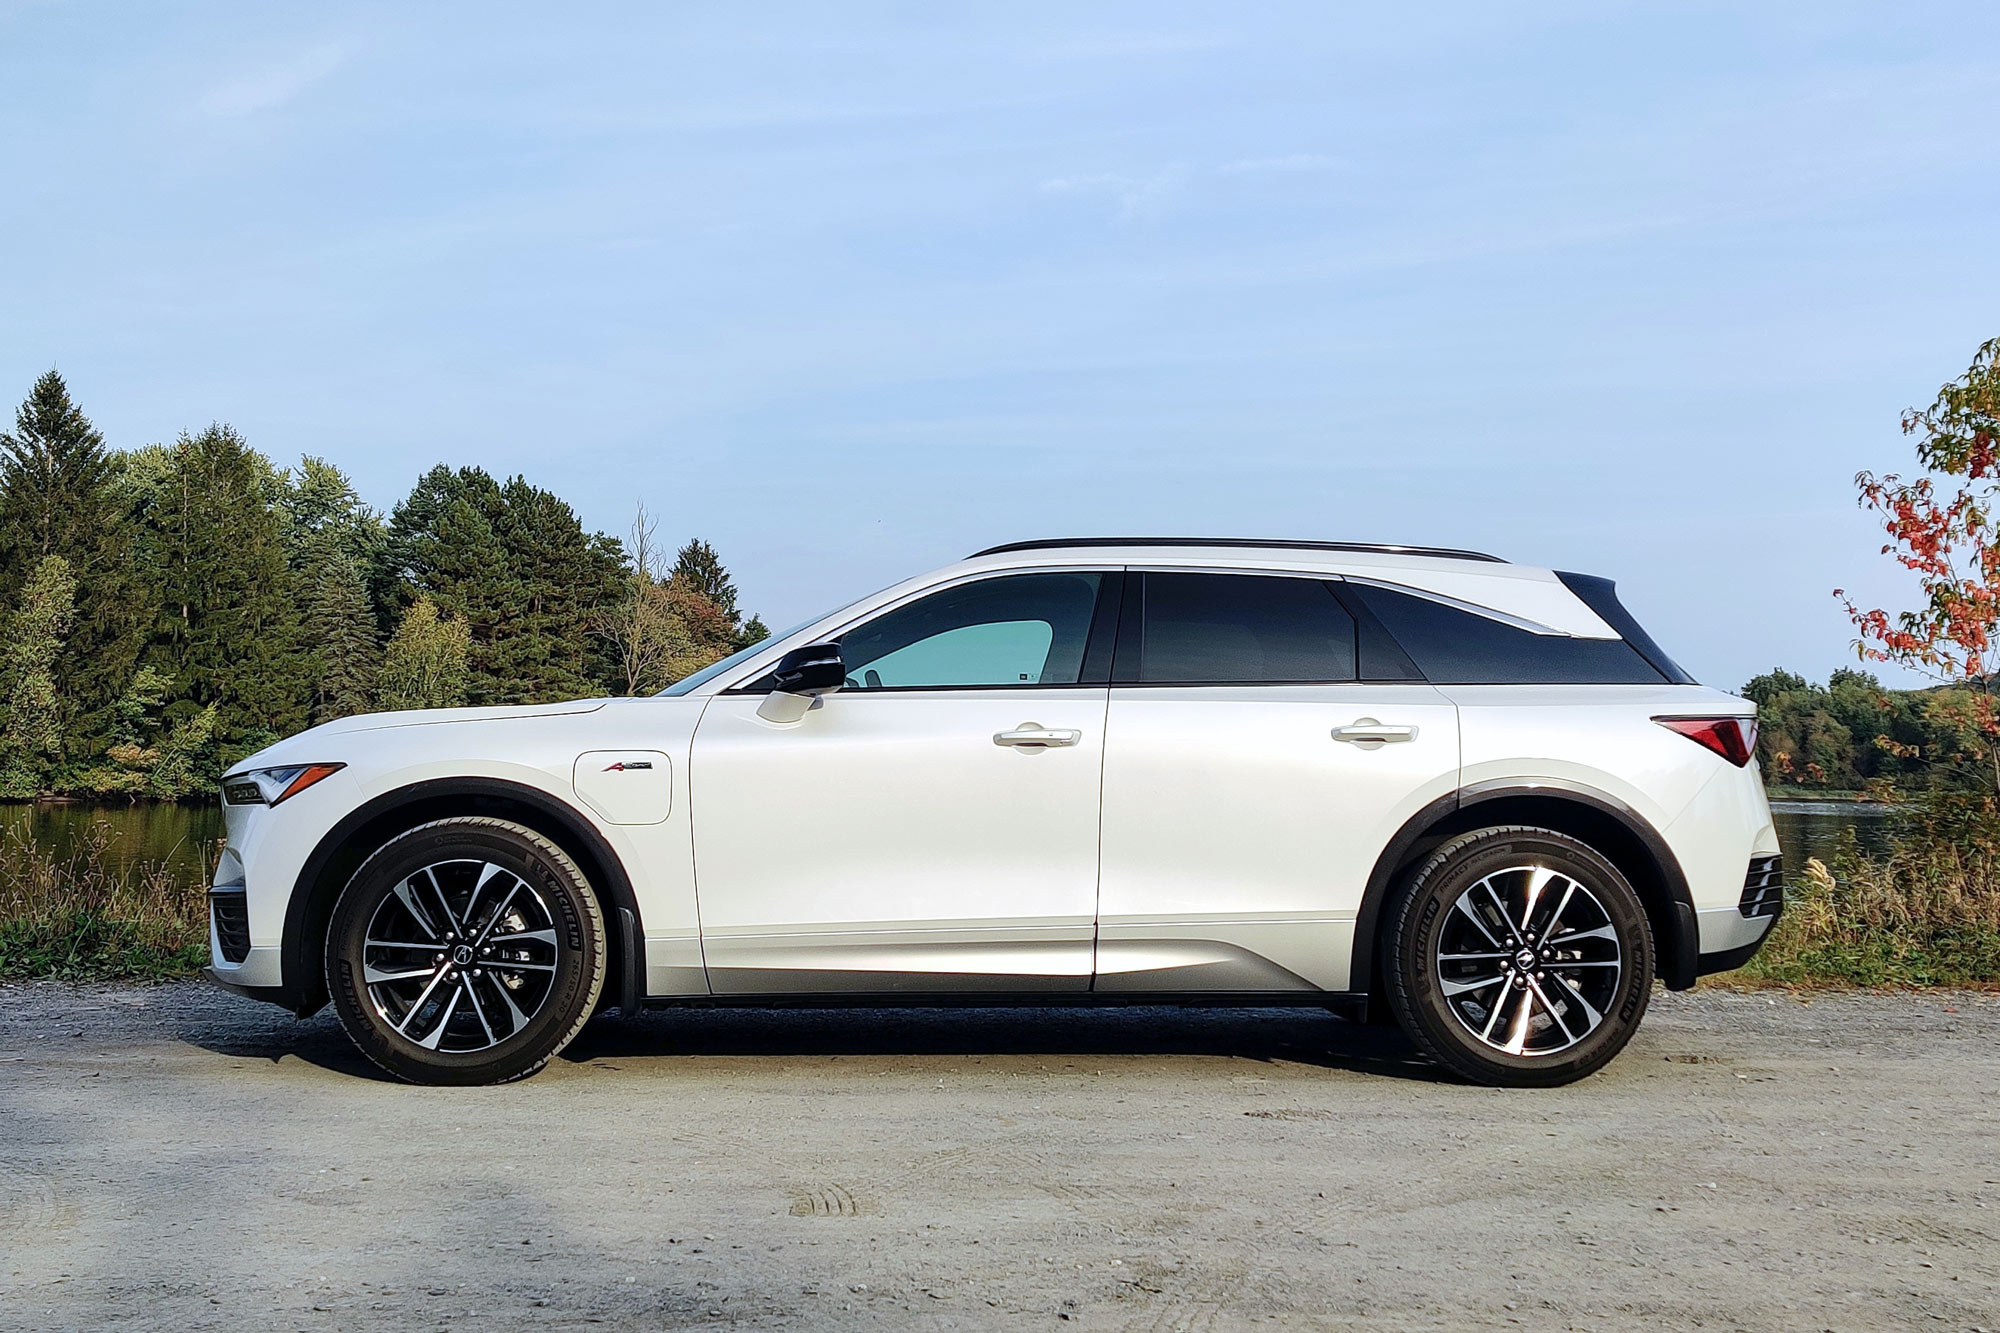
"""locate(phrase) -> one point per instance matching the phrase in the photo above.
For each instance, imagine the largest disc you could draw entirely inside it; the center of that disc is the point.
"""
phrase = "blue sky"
(852, 290)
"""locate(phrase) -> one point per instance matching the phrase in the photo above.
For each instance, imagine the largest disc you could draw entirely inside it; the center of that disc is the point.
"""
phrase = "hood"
(288, 749)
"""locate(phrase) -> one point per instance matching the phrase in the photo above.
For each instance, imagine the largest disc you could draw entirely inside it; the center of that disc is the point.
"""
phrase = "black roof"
(1058, 543)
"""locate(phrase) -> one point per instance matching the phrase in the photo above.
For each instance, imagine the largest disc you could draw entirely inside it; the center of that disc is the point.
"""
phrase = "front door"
(933, 826)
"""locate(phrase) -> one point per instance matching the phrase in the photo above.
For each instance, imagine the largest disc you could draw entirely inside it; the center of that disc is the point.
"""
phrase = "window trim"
(1108, 576)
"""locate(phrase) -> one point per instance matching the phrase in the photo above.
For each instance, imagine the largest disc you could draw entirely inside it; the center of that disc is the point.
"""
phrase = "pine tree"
(514, 563)
(226, 629)
(31, 746)
(339, 624)
(61, 494)
(700, 568)
(425, 665)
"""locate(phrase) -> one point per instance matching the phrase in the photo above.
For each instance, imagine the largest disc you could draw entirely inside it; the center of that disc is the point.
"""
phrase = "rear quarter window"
(1454, 647)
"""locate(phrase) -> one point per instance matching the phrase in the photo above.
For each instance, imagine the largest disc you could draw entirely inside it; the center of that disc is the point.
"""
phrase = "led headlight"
(268, 786)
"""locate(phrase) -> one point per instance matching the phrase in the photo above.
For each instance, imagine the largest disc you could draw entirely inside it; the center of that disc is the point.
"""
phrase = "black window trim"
(1109, 577)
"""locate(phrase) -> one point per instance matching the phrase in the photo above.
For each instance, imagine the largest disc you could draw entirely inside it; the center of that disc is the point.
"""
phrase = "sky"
(851, 291)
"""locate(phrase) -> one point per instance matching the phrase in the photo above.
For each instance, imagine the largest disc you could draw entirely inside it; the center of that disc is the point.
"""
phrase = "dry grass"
(1926, 912)
(88, 915)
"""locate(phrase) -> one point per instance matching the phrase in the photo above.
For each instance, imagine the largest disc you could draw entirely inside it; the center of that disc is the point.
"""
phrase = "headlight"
(268, 786)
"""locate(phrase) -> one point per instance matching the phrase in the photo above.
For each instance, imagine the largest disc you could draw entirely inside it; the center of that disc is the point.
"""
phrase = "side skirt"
(1350, 1005)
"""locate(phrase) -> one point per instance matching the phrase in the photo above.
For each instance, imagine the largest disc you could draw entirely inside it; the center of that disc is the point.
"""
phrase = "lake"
(185, 835)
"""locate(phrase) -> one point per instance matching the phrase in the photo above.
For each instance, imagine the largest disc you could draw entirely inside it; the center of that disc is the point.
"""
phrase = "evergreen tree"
(754, 631)
(339, 624)
(31, 746)
(61, 495)
(319, 507)
(514, 563)
(226, 629)
(425, 665)
(700, 568)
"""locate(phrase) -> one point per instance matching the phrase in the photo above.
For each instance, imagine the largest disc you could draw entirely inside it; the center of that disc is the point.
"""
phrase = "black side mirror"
(814, 669)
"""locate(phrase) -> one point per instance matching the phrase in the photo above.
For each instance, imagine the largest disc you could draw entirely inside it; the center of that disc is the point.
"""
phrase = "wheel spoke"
(1538, 880)
(397, 944)
(486, 872)
(1493, 1014)
(1605, 932)
(1459, 957)
(472, 994)
(1554, 1013)
(1473, 917)
(1517, 1038)
(430, 873)
(416, 911)
(430, 1043)
(375, 976)
(403, 1028)
(1505, 915)
(499, 912)
(1454, 988)
(1589, 1012)
(1555, 917)
(545, 936)
(509, 965)
(520, 1019)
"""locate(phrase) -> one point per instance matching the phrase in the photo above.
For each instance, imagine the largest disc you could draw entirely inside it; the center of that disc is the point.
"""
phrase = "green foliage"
(226, 629)
(339, 627)
(425, 665)
(31, 745)
(170, 609)
(61, 494)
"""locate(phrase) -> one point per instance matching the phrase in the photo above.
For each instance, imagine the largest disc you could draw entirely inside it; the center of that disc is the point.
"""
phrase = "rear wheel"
(465, 951)
(1520, 957)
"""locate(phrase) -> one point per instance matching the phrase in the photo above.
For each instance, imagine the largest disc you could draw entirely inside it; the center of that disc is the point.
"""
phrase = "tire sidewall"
(578, 921)
(1433, 890)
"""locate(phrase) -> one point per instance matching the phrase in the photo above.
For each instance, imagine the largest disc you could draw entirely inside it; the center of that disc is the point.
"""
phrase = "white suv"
(1095, 771)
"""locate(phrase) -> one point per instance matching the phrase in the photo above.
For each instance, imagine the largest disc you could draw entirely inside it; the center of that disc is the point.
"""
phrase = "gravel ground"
(174, 1156)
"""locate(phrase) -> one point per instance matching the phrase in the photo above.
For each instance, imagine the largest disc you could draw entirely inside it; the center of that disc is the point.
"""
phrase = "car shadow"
(1296, 1035)
(1299, 1036)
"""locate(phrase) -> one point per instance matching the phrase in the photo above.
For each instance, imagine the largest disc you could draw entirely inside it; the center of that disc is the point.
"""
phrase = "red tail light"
(1734, 738)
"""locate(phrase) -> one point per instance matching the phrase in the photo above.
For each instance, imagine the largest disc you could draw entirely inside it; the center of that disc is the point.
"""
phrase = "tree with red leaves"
(1941, 527)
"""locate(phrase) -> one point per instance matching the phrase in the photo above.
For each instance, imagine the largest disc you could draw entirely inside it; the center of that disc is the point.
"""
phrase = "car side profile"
(1425, 783)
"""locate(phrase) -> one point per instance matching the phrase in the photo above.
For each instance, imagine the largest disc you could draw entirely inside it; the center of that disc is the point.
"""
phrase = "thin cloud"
(272, 87)
(1137, 196)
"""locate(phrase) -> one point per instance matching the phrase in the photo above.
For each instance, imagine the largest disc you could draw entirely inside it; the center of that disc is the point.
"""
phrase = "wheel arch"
(340, 852)
(1603, 821)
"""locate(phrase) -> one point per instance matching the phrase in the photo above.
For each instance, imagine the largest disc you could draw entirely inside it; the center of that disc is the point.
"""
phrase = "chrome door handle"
(1034, 736)
(1367, 731)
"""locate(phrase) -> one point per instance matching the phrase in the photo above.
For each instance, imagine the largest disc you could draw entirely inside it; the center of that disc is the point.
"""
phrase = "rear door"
(1261, 748)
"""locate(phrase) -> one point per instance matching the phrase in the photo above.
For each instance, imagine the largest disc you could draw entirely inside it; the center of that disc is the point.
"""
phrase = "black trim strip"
(1072, 543)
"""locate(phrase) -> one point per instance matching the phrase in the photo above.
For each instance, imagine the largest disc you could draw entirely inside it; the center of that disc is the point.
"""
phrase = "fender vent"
(1763, 887)
(231, 914)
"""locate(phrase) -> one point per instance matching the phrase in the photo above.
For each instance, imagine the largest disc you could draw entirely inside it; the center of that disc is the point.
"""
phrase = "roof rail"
(1058, 543)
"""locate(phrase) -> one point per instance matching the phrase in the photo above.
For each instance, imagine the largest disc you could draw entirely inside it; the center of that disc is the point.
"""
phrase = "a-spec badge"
(628, 766)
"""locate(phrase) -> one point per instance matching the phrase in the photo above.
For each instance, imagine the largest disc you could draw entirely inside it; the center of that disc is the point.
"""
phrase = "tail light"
(1734, 738)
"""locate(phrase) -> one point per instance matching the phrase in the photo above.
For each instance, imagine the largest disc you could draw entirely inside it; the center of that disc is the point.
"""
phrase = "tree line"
(1851, 733)
(172, 608)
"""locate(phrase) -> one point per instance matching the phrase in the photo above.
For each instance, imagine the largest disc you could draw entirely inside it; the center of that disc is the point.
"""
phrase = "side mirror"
(800, 677)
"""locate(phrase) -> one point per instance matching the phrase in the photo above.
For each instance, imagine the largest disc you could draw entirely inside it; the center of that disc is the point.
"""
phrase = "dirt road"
(177, 1157)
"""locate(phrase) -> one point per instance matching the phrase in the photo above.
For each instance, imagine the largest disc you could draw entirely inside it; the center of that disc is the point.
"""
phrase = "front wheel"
(1520, 957)
(465, 951)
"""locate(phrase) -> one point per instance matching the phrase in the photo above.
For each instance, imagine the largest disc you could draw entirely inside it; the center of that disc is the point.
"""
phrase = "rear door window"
(1239, 629)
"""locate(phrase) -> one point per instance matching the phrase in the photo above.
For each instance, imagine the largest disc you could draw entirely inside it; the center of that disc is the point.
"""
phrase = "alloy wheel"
(1529, 961)
(460, 955)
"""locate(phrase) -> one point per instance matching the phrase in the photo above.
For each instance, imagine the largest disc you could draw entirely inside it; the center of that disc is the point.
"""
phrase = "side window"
(1018, 629)
(1454, 647)
(1220, 629)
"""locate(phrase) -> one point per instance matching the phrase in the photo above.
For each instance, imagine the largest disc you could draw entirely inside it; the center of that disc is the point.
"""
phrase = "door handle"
(1035, 736)
(1366, 731)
